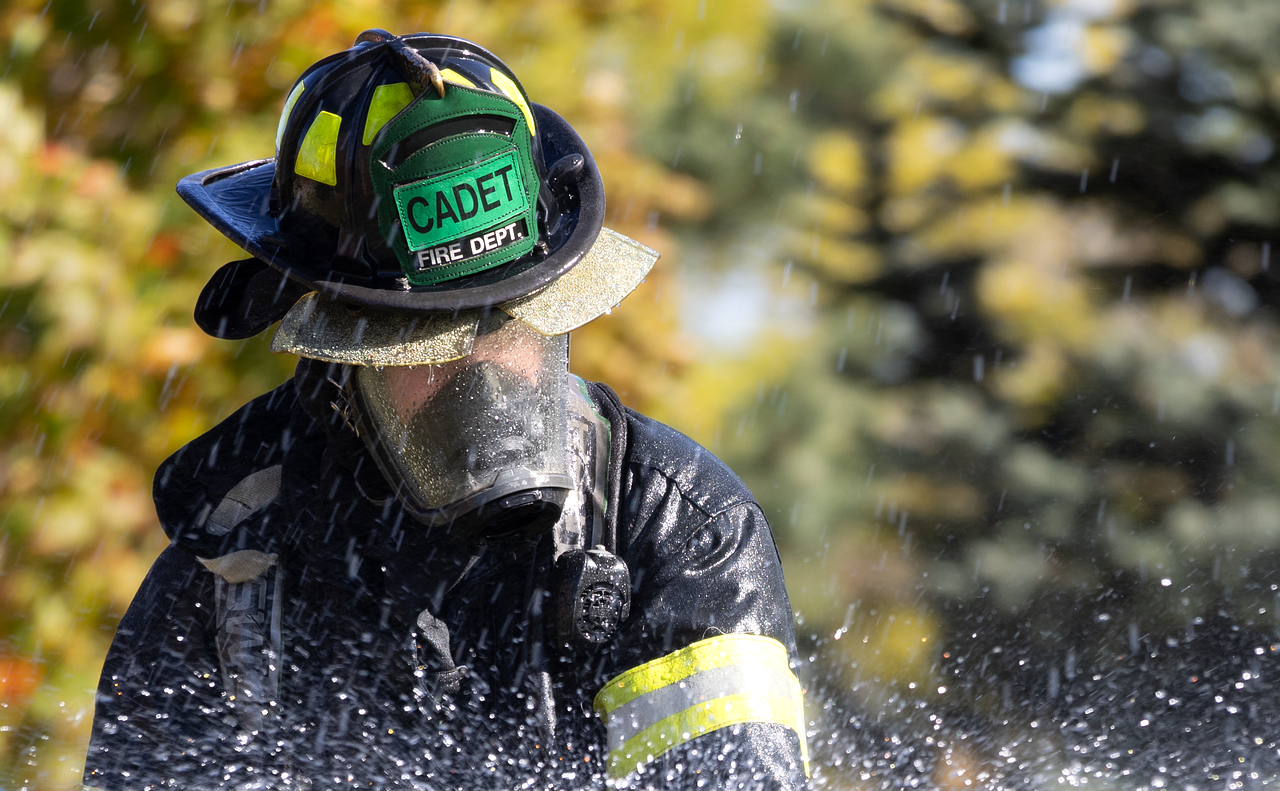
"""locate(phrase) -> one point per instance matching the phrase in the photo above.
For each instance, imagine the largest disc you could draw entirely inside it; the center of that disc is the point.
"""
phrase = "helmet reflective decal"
(464, 213)
(386, 102)
(288, 108)
(512, 91)
(318, 153)
(453, 76)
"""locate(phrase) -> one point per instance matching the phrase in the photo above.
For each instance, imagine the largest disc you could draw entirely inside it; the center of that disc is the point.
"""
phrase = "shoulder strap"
(247, 600)
(591, 585)
(611, 408)
(249, 643)
(582, 522)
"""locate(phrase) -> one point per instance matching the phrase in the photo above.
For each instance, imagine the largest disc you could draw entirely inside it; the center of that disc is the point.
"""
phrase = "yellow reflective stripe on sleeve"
(712, 684)
(697, 721)
(284, 114)
(513, 93)
(453, 76)
(317, 156)
(725, 649)
(387, 101)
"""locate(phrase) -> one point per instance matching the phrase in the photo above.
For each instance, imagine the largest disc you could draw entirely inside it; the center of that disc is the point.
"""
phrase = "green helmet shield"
(465, 200)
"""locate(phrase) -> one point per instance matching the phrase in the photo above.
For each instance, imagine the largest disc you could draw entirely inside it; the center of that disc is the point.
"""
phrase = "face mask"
(477, 445)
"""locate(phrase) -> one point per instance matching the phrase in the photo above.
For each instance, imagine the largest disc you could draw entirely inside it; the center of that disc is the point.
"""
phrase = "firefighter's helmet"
(412, 176)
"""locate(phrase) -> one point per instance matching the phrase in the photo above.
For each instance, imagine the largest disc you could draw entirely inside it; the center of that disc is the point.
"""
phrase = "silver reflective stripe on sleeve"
(648, 710)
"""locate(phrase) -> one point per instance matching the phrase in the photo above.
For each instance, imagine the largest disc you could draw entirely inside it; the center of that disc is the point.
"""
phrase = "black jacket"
(405, 663)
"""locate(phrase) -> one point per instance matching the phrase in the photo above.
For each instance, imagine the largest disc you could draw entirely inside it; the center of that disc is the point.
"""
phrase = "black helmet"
(411, 174)
(414, 189)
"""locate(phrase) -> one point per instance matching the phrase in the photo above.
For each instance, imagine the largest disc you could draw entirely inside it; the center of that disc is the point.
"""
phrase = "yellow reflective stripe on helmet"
(712, 684)
(388, 100)
(288, 108)
(317, 156)
(453, 76)
(513, 93)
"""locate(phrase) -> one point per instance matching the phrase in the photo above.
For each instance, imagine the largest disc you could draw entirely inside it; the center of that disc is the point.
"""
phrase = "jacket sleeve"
(701, 692)
(159, 720)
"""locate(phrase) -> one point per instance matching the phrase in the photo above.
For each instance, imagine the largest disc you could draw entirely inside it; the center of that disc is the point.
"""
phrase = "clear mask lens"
(449, 432)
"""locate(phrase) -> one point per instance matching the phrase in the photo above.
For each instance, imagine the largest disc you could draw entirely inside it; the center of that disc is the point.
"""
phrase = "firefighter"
(434, 558)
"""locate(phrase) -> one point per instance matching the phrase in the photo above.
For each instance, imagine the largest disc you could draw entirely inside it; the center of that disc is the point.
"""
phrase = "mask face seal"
(477, 445)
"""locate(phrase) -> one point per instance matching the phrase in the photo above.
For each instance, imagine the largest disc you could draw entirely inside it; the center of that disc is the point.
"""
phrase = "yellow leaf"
(836, 162)
(1103, 46)
(983, 163)
(842, 261)
(1033, 304)
(920, 151)
(1035, 379)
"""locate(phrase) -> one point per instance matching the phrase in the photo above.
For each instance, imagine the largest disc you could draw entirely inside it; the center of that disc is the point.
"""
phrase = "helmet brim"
(236, 200)
(326, 329)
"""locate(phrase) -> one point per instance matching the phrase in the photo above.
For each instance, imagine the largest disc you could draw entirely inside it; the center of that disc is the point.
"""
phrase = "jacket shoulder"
(210, 479)
(696, 474)
(701, 554)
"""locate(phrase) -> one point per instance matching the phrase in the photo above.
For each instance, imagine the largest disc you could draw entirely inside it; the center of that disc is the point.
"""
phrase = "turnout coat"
(299, 632)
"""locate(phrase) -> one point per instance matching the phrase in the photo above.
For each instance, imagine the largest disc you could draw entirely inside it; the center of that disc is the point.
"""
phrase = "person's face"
(514, 347)
(445, 432)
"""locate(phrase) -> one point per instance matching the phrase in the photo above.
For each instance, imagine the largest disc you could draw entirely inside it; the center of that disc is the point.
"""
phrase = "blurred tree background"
(1024, 466)
(977, 296)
